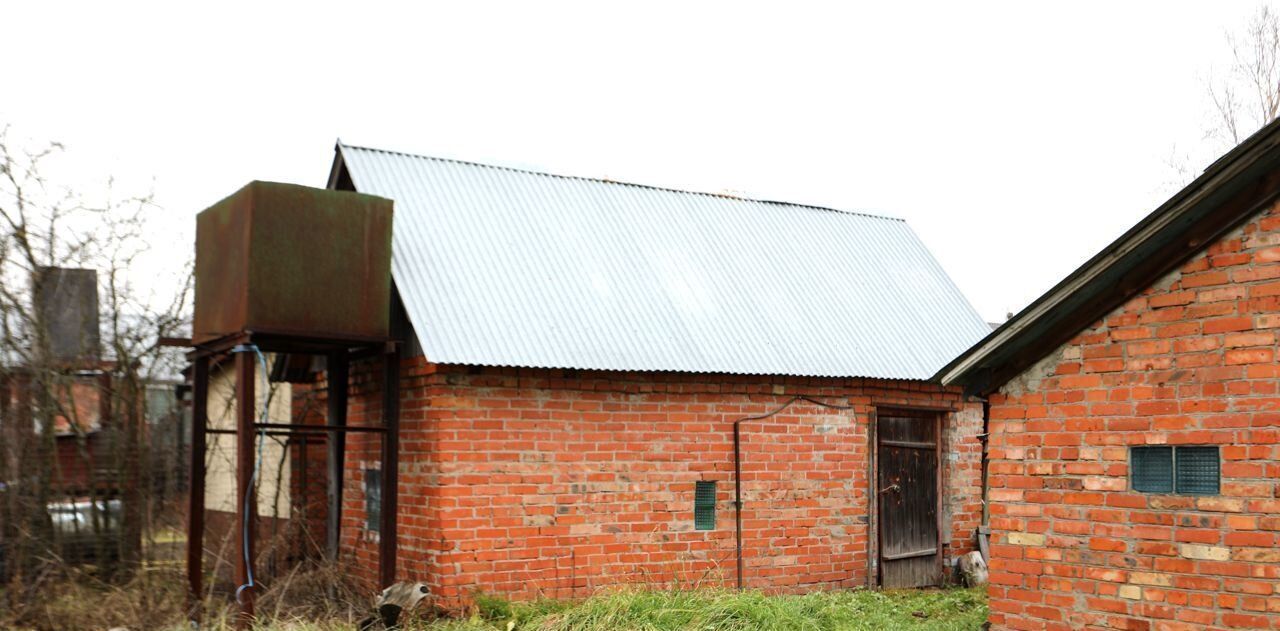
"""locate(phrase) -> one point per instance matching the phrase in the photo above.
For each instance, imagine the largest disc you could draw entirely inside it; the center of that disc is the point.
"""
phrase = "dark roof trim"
(339, 166)
(1237, 186)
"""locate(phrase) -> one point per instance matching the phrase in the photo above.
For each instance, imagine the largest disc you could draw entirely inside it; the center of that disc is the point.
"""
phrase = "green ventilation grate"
(1152, 469)
(1197, 470)
(704, 505)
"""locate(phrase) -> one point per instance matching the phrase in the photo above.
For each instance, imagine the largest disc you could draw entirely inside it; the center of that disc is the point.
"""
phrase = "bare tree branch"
(1247, 96)
(44, 224)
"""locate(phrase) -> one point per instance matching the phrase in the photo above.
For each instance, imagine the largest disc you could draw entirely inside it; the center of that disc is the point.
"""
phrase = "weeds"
(321, 600)
(742, 611)
(156, 598)
(719, 610)
(82, 601)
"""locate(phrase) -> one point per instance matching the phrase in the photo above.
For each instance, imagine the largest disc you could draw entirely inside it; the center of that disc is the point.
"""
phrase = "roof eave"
(1232, 189)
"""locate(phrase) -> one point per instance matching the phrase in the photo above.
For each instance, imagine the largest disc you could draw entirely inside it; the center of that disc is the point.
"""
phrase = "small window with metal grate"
(1181, 470)
(704, 505)
(372, 499)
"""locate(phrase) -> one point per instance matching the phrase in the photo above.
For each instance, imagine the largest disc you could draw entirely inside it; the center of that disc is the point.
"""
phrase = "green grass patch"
(710, 610)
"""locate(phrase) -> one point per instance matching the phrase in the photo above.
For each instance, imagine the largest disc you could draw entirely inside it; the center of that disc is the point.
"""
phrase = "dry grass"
(155, 598)
(323, 599)
(79, 600)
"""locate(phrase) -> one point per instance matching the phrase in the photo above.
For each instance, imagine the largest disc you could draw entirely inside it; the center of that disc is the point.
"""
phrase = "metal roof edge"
(419, 156)
(1184, 212)
(676, 371)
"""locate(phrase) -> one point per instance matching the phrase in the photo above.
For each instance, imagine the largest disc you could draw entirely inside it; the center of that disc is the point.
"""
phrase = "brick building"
(581, 351)
(1134, 418)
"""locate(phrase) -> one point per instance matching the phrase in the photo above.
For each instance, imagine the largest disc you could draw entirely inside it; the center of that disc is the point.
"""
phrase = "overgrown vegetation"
(155, 600)
(707, 610)
(89, 431)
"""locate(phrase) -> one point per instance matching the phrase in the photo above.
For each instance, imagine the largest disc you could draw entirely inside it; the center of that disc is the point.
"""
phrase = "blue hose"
(257, 466)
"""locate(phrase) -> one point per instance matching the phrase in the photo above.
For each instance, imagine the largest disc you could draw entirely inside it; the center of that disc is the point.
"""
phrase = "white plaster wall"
(273, 477)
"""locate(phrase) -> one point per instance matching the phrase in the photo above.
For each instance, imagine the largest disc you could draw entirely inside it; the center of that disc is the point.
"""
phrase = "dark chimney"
(66, 302)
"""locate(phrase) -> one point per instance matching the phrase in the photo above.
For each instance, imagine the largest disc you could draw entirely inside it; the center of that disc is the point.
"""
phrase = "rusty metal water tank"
(293, 260)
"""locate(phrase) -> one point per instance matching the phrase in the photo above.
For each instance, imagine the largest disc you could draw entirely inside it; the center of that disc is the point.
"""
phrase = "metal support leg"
(195, 495)
(390, 465)
(246, 524)
(337, 445)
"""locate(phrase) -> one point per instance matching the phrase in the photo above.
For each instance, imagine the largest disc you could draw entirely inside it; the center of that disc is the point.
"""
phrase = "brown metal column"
(106, 414)
(390, 465)
(337, 370)
(246, 498)
(195, 494)
(302, 457)
(129, 392)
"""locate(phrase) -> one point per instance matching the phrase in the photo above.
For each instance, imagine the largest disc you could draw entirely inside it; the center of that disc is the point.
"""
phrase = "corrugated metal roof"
(505, 267)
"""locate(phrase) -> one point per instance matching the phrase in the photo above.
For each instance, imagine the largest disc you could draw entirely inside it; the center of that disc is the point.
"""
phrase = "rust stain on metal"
(289, 259)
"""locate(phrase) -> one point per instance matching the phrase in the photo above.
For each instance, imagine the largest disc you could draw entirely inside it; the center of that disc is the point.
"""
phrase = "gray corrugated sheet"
(505, 267)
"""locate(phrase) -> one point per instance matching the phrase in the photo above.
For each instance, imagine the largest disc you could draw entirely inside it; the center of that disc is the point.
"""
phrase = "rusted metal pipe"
(737, 466)
(274, 433)
(246, 500)
(737, 494)
(390, 465)
(302, 427)
(336, 422)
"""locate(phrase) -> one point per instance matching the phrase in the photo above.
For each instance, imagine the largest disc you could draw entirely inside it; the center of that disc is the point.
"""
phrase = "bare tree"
(1247, 96)
(1241, 99)
(45, 225)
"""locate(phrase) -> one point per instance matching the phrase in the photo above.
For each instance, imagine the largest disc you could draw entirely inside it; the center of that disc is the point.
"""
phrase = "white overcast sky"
(1016, 138)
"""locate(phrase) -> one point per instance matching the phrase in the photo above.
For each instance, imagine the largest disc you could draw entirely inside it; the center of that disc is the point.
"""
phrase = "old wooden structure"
(909, 496)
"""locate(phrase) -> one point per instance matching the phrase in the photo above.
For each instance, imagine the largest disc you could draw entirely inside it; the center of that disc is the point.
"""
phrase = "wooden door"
(907, 450)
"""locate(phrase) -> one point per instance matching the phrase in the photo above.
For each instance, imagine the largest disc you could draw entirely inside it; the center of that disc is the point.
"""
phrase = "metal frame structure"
(339, 353)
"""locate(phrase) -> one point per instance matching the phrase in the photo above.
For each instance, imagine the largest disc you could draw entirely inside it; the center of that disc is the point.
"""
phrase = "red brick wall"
(550, 483)
(1190, 361)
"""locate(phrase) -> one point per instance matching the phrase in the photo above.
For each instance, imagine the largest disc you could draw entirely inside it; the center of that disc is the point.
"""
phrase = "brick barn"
(578, 352)
(1134, 418)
